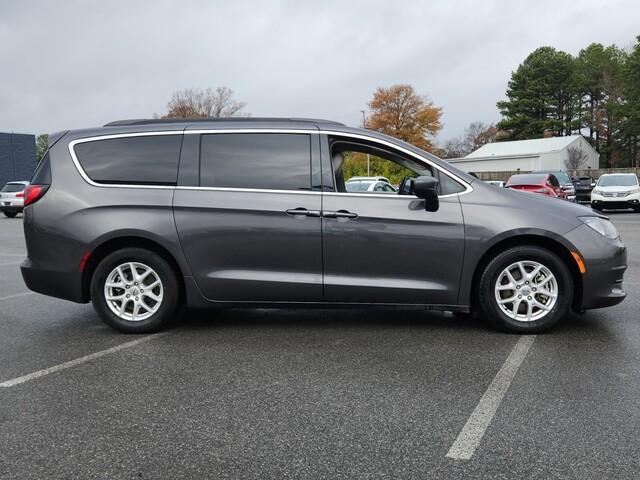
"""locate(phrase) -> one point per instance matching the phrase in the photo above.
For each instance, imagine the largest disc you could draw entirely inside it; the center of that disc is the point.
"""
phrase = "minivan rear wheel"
(135, 291)
(525, 289)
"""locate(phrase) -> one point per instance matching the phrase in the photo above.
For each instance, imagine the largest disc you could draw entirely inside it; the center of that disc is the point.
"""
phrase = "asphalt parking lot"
(315, 393)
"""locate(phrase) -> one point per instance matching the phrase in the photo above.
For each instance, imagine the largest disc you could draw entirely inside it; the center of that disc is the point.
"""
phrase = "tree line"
(595, 93)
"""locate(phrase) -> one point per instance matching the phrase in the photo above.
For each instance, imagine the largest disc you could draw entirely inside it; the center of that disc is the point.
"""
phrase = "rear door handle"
(302, 211)
(339, 214)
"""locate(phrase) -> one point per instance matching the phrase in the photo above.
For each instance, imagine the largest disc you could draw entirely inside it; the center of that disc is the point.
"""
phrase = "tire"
(553, 277)
(593, 206)
(157, 306)
(10, 214)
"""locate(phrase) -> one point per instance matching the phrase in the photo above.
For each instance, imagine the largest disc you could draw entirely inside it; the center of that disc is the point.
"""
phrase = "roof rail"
(153, 121)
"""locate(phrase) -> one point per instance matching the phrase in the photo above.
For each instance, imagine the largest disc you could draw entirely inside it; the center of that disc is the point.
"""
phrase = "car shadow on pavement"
(383, 318)
(588, 324)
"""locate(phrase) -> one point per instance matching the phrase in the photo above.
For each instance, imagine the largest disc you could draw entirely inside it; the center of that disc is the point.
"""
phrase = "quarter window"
(270, 161)
(147, 160)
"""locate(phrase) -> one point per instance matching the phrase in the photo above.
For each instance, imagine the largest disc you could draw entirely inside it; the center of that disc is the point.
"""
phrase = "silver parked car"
(12, 198)
(371, 186)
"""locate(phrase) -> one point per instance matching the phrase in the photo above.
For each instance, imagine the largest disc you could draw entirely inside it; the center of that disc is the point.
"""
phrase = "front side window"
(145, 160)
(271, 161)
(350, 159)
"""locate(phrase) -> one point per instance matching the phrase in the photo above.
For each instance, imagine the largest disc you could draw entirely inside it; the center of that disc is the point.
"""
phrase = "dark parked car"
(542, 183)
(143, 217)
(584, 185)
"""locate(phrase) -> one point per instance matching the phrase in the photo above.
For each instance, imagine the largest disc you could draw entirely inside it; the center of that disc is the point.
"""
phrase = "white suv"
(616, 190)
(12, 198)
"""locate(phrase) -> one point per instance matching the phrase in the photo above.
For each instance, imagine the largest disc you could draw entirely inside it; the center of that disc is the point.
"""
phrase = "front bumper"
(627, 201)
(605, 262)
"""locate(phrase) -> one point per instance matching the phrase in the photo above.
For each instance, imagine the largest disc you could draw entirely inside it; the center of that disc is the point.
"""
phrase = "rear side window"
(149, 160)
(270, 161)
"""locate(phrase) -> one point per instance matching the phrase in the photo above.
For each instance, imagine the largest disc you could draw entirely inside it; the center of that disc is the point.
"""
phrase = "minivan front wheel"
(525, 289)
(135, 291)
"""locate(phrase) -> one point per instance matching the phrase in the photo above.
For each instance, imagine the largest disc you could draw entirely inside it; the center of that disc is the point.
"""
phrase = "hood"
(617, 188)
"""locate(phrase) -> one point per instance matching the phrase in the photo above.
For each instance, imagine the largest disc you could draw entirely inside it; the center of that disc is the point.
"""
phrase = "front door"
(384, 247)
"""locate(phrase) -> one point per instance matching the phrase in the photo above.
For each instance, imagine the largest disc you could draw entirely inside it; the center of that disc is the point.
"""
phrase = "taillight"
(33, 193)
(20, 195)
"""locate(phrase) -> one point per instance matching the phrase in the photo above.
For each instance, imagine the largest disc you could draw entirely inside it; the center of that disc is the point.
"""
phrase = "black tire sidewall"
(490, 276)
(170, 300)
(10, 214)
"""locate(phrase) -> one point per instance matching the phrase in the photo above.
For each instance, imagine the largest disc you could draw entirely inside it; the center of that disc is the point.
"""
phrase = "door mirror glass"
(427, 188)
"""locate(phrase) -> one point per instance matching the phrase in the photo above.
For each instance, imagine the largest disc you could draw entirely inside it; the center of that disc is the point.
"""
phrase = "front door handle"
(302, 211)
(339, 214)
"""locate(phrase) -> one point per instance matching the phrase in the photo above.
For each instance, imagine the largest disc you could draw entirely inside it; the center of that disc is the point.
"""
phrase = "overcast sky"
(73, 64)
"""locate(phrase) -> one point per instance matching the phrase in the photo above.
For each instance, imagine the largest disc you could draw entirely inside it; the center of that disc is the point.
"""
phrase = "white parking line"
(13, 255)
(16, 295)
(72, 363)
(471, 434)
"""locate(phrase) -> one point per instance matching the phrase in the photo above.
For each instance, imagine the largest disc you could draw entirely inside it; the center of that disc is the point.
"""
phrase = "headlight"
(602, 226)
(595, 191)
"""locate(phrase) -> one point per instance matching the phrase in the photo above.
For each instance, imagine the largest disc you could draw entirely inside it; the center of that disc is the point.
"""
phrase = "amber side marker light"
(576, 256)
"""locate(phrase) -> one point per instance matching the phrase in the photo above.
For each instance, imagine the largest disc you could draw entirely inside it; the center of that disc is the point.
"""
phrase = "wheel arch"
(547, 241)
(117, 243)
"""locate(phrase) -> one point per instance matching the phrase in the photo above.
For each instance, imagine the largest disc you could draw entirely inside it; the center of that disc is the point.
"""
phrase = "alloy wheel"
(133, 291)
(526, 291)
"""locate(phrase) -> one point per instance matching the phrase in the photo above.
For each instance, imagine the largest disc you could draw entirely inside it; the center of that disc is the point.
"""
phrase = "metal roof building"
(527, 155)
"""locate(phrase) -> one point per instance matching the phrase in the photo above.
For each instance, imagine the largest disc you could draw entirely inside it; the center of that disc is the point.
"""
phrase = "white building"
(527, 155)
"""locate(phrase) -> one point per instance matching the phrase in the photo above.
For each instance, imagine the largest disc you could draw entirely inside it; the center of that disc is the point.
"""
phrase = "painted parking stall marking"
(72, 363)
(471, 434)
(15, 295)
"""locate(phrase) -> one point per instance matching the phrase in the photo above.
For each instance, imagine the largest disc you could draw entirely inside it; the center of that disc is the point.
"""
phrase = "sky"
(75, 64)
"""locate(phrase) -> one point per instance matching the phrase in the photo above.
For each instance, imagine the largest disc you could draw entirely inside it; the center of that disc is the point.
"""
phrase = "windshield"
(13, 187)
(562, 177)
(528, 179)
(618, 181)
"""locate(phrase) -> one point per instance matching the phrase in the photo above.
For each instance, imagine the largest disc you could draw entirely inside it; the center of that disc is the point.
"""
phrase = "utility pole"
(364, 121)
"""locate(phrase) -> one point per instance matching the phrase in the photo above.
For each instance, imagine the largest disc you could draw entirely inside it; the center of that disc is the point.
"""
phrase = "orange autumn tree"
(400, 112)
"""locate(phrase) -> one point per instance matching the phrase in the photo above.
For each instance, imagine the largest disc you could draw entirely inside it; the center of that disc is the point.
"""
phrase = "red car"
(543, 183)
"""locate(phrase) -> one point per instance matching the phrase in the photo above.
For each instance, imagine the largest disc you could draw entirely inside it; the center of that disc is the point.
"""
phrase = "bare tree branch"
(209, 103)
(576, 158)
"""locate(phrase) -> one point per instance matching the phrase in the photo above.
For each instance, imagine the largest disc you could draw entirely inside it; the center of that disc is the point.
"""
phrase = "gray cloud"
(72, 64)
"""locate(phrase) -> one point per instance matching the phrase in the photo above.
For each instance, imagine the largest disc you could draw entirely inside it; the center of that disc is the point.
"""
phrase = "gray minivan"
(143, 217)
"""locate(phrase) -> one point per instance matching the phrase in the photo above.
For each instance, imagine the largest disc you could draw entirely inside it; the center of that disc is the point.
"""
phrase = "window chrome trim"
(368, 138)
(249, 190)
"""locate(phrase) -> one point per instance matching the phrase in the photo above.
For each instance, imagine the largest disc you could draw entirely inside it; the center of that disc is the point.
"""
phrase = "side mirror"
(427, 188)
